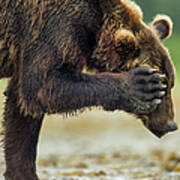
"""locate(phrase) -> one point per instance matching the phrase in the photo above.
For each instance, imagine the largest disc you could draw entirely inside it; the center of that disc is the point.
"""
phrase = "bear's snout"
(171, 127)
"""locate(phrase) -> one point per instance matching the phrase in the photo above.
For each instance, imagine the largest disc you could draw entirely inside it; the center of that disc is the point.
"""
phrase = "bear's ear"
(163, 25)
(125, 42)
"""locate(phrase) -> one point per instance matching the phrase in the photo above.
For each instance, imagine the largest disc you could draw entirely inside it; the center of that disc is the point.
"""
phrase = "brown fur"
(136, 36)
(45, 46)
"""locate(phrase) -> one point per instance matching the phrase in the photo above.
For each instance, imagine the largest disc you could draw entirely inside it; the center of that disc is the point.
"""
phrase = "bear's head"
(126, 42)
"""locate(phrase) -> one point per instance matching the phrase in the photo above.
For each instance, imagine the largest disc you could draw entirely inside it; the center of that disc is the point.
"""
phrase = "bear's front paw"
(147, 88)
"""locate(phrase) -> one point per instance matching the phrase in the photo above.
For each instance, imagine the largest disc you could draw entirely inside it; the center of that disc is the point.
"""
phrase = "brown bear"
(45, 45)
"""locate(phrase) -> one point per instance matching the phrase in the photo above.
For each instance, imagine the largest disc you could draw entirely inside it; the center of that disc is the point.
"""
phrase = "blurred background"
(111, 146)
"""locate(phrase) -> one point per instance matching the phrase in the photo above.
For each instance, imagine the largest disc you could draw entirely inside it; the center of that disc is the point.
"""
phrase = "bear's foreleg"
(20, 140)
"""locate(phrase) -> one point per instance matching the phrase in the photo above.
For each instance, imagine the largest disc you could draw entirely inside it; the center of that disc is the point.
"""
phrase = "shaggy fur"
(45, 45)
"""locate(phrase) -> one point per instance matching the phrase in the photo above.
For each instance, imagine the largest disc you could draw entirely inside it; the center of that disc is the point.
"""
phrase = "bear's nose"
(171, 127)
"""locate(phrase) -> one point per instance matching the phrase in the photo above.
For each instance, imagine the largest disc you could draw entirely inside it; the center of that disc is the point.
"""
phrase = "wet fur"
(45, 46)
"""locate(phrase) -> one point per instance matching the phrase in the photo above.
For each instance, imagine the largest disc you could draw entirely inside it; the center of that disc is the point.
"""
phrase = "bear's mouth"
(158, 133)
(159, 125)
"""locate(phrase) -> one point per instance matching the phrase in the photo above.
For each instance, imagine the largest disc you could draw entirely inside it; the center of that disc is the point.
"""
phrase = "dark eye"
(137, 53)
